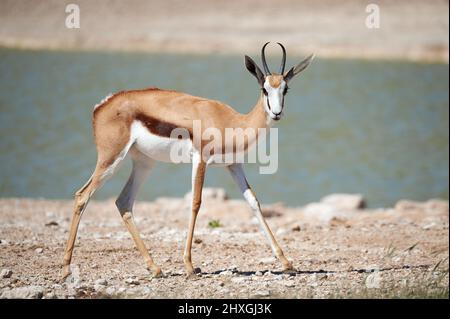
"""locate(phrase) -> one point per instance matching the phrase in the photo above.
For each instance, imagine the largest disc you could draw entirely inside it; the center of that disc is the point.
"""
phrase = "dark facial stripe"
(158, 127)
(268, 104)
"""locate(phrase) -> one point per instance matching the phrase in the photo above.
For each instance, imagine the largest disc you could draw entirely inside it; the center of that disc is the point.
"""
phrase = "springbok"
(140, 122)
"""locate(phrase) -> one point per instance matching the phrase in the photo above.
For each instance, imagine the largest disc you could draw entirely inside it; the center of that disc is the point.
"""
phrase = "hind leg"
(141, 169)
(106, 164)
(82, 197)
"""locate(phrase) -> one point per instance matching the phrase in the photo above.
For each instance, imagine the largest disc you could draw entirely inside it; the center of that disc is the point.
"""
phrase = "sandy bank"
(413, 30)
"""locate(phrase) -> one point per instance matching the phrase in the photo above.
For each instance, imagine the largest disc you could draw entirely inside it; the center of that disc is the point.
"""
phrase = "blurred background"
(369, 116)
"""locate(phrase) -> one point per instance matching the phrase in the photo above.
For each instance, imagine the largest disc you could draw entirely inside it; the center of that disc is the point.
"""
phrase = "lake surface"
(372, 127)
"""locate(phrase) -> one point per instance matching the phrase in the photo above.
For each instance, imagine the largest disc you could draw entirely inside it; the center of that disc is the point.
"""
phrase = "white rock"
(429, 226)
(226, 273)
(325, 213)
(27, 292)
(138, 292)
(50, 214)
(345, 201)
(373, 280)
(121, 290)
(99, 288)
(38, 250)
(267, 261)
(238, 280)
(262, 293)
(210, 193)
(6, 273)
(110, 290)
(50, 295)
(132, 281)
(101, 282)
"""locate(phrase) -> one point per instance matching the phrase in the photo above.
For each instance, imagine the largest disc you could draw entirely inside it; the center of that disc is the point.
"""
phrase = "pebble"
(6, 273)
(101, 282)
(266, 261)
(121, 290)
(38, 250)
(262, 293)
(110, 290)
(132, 281)
(238, 279)
(26, 292)
(429, 226)
(52, 223)
(99, 288)
(226, 273)
(50, 295)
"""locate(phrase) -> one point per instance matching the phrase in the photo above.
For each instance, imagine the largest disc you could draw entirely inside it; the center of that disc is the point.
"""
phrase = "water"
(377, 128)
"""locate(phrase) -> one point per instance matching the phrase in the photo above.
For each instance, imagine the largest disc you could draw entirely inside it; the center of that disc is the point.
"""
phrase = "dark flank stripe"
(158, 127)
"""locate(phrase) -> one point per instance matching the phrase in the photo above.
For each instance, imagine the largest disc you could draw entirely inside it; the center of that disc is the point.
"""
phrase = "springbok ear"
(298, 68)
(253, 68)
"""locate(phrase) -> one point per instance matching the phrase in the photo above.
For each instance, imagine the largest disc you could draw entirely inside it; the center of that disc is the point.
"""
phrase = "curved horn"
(263, 58)
(283, 60)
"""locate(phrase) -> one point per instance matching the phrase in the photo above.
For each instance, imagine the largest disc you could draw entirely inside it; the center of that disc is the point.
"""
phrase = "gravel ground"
(338, 248)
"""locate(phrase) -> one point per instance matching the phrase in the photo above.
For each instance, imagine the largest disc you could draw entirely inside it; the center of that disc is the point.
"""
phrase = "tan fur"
(275, 80)
(112, 120)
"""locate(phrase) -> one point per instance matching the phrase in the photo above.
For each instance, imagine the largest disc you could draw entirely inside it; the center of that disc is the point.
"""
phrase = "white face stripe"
(274, 99)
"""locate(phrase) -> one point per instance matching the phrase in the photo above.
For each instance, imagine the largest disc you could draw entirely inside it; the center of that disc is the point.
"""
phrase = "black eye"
(286, 89)
(264, 91)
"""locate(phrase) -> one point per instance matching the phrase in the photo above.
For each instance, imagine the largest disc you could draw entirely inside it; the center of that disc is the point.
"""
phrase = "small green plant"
(214, 223)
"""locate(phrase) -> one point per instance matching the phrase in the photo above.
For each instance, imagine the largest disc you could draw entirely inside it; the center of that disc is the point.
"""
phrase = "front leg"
(198, 176)
(239, 177)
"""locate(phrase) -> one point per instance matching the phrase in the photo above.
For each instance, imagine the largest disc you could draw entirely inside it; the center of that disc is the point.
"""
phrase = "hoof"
(65, 273)
(193, 273)
(191, 276)
(289, 268)
(289, 271)
(157, 273)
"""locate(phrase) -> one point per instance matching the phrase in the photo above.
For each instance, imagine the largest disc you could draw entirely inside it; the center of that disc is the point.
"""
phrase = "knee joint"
(122, 206)
(196, 205)
(127, 216)
(80, 202)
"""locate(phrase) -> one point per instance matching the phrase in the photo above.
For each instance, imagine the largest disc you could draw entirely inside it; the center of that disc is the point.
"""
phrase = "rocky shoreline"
(339, 248)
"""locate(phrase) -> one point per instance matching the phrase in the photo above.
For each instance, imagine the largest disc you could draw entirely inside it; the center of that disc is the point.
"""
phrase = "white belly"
(159, 148)
(171, 150)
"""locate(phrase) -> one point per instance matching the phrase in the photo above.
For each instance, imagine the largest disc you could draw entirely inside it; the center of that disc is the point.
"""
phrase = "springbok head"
(275, 85)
